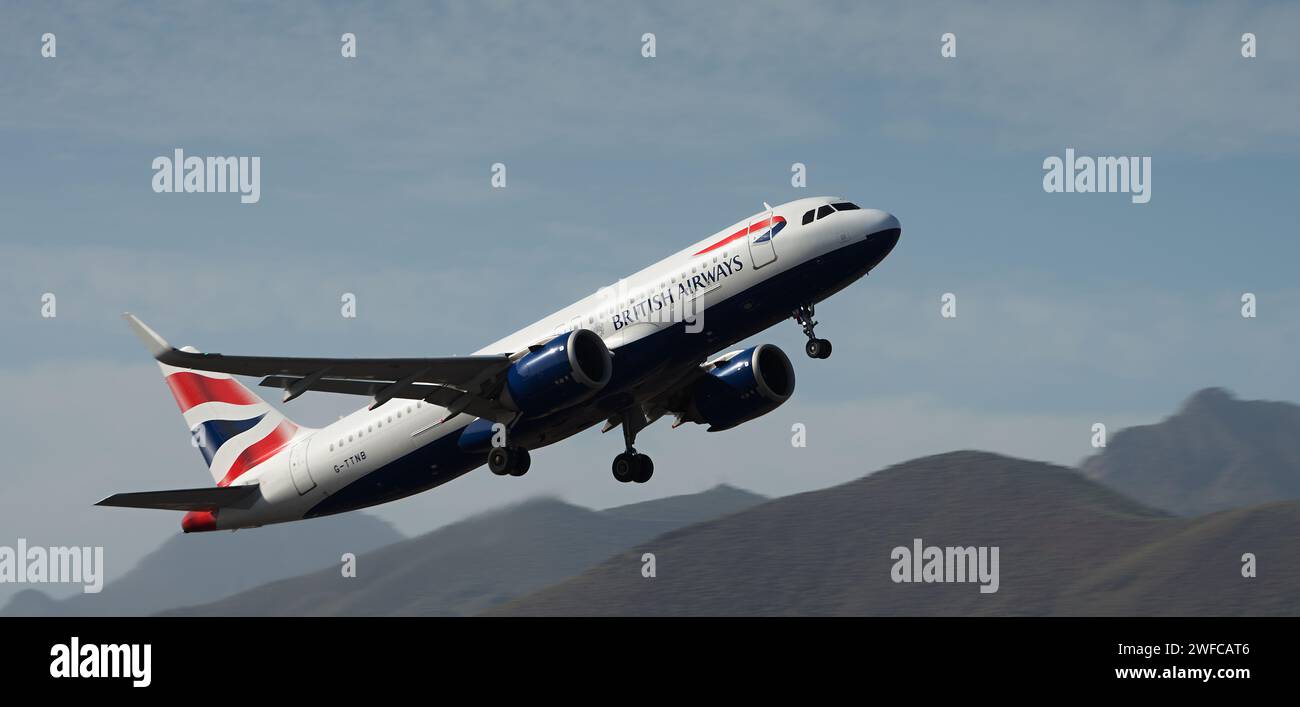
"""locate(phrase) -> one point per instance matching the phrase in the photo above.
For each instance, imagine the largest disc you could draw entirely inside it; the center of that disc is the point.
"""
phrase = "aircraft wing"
(460, 383)
(202, 499)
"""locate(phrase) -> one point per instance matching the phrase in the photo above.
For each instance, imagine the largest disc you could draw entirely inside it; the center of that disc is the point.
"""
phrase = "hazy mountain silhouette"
(202, 567)
(1216, 453)
(472, 565)
(1067, 546)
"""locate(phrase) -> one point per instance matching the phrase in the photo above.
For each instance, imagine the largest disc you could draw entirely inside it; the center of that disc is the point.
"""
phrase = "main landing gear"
(815, 348)
(509, 460)
(632, 465)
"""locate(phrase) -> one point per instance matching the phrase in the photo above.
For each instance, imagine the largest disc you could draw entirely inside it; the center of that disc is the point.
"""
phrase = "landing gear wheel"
(818, 348)
(509, 460)
(625, 467)
(645, 468)
(522, 461)
(499, 461)
(630, 466)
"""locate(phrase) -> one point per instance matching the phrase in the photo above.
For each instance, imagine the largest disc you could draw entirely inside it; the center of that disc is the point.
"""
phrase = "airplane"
(625, 356)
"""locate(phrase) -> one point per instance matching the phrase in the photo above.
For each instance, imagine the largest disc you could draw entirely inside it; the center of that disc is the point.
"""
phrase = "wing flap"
(417, 391)
(454, 399)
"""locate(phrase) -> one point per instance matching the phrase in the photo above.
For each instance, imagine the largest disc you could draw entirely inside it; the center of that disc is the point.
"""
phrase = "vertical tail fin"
(230, 425)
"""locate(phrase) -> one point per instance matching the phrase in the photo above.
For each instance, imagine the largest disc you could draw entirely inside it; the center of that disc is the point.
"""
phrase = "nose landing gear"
(815, 348)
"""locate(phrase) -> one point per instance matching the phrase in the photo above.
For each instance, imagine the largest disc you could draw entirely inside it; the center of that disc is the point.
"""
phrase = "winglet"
(156, 344)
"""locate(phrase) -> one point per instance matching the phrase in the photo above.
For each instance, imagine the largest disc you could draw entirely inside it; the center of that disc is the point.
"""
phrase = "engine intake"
(750, 384)
(563, 372)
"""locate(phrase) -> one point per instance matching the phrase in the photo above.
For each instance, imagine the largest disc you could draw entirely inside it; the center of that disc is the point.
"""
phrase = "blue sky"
(375, 180)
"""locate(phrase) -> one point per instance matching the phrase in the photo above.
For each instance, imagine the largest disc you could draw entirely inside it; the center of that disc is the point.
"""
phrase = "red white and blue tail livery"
(632, 352)
(232, 428)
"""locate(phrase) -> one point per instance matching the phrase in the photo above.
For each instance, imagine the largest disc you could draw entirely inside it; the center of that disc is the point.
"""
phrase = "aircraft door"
(762, 232)
(298, 468)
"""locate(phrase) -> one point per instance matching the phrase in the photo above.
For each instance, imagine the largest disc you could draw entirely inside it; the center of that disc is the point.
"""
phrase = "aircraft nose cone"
(878, 221)
(883, 228)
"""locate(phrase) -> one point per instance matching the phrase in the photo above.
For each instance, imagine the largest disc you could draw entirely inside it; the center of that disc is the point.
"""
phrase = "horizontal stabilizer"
(201, 499)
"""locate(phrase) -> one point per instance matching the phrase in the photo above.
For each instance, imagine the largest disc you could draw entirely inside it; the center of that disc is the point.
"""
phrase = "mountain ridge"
(468, 566)
(1068, 546)
(1215, 453)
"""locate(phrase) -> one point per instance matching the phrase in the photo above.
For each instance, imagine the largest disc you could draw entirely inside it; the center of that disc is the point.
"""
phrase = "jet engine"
(562, 372)
(740, 387)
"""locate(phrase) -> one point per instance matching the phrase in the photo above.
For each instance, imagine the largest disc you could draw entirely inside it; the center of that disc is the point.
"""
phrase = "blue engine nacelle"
(562, 372)
(751, 383)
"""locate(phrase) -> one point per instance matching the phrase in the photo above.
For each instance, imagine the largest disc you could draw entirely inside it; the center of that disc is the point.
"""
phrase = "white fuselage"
(322, 462)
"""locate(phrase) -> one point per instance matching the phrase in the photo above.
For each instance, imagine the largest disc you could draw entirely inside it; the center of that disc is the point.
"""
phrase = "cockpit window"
(808, 217)
(845, 206)
(825, 211)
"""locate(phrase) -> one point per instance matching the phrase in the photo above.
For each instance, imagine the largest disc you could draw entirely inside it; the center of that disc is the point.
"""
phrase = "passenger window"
(845, 206)
(808, 217)
(825, 211)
